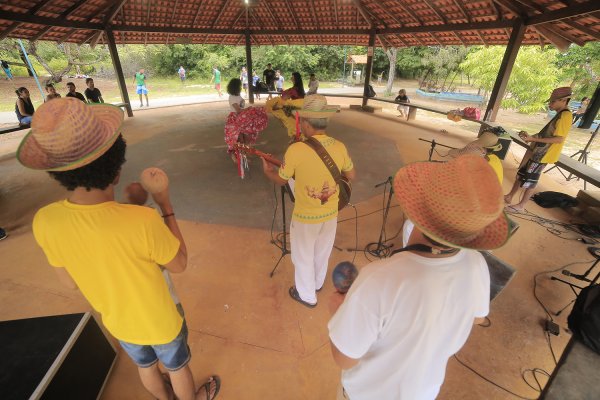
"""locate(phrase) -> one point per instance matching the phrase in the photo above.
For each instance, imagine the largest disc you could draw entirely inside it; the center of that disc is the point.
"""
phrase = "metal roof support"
(114, 55)
(510, 55)
(369, 71)
(249, 67)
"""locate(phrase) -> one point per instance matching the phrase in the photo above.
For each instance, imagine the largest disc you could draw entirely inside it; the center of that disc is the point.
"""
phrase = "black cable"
(365, 215)
(550, 347)
(533, 372)
(490, 381)
(552, 226)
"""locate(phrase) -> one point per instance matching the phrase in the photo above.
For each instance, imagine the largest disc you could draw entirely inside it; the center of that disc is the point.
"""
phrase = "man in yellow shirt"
(545, 149)
(111, 251)
(314, 219)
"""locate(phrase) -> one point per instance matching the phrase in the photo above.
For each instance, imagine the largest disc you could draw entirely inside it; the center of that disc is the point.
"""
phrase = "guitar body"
(344, 184)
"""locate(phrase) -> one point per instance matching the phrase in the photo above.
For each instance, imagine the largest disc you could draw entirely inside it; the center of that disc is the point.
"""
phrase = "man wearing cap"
(112, 251)
(406, 315)
(314, 219)
(546, 147)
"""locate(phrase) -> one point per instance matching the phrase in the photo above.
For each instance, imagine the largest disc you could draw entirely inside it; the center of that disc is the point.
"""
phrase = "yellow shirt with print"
(112, 252)
(496, 165)
(317, 194)
(561, 128)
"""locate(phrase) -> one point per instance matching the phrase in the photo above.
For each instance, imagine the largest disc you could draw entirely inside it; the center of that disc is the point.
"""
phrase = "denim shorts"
(173, 355)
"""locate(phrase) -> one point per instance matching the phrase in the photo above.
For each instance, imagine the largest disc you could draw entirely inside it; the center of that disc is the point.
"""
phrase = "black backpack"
(584, 320)
(371, 92)
(554, 199)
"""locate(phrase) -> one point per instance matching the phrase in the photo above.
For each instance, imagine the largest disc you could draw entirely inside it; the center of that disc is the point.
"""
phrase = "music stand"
(583, 158)
(284, 249)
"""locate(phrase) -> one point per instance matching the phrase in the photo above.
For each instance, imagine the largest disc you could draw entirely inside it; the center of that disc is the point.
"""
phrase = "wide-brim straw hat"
(315, 106)
(67, 134)
(487, 140)
(560, 93)
(458, 203)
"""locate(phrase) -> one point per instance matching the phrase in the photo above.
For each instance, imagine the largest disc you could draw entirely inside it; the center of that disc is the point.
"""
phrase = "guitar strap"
(326, 158)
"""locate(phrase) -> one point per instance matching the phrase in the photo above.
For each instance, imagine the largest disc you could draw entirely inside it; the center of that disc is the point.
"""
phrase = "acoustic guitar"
(344, 183)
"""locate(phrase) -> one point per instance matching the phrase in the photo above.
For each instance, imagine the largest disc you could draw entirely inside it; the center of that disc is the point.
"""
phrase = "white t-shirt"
(279, 82)
(404, 317)
(313, 86)
(236, 100)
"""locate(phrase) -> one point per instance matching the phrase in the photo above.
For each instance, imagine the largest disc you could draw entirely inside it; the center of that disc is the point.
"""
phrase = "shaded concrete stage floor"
(243, 325)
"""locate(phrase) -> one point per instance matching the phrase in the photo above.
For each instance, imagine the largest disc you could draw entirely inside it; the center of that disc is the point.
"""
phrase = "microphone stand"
(380, 249)
(581, 277)
(284, 249)
(433, 144)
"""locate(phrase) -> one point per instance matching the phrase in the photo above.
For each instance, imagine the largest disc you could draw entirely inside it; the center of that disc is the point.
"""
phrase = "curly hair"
(99, 173)
(234, 87)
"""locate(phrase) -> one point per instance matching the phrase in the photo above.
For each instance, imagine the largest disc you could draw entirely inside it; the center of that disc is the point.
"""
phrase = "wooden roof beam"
(197, 13)
(225, 4)
(497, 9)
(588, 31)
(459, 38)
(363, 12)
(312, 14)
(293, 14)
(63, 15)
(389, 14)
(513, 8)
(113, 11)
(532, 5)
(410, 12)
(15, 25)
(564, 13)
(480, 36)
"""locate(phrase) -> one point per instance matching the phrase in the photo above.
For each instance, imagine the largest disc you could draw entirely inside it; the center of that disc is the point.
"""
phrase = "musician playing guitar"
(317, 192)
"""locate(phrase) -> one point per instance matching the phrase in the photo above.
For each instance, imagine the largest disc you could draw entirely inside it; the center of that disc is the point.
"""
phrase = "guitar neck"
(269, 158)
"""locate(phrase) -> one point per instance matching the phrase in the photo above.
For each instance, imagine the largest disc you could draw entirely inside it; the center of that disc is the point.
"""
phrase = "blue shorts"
(141, 89)
(173, 355)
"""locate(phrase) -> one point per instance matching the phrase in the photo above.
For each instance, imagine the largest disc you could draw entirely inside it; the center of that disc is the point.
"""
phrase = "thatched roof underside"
(397, 23)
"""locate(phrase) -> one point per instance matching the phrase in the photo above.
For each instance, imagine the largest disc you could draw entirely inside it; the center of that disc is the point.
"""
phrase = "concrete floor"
(243, 325)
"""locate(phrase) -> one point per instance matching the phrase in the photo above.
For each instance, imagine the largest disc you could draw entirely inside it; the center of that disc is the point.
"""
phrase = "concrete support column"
(114, 55)
(370, 53)
(510, 55)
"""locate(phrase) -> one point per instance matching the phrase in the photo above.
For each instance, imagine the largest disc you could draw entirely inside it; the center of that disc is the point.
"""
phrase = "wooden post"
(510, 55)
(114, 55)
(370, 52)
(249, 67)
(592, 110)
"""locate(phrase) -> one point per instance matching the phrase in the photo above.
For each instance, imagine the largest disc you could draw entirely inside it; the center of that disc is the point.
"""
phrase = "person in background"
(92, 93)
(546, 147)
(279, 81)
(139, 79)
(181, 73)
(269, 77)
(216, 78)
(6, 68)
(379, 78)
(24, 107)
(402, 98)
(313, 85)
(403, 318)
(73, 93)
(51, 90)
(255, 80)
(581, 110)
(297, 89)
(244, 79)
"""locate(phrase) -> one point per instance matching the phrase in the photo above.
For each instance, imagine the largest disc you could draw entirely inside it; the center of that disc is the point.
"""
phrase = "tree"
(533, 76)
(581, 67)
(392, 54)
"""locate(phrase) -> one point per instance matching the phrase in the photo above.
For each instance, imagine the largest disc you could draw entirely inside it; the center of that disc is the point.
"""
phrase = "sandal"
(206, 387)
(294, 295)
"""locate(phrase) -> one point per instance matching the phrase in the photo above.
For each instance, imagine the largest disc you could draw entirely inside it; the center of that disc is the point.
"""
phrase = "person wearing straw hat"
(546, 147)
(314, 219)
(112, 251)
(405, 316)
(484, 146)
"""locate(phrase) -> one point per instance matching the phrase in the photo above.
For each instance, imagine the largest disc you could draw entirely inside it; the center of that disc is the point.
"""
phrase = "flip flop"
(206, 387)
(296, 296)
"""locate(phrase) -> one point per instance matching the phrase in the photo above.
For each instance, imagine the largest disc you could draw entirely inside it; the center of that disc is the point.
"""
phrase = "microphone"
(389, 179)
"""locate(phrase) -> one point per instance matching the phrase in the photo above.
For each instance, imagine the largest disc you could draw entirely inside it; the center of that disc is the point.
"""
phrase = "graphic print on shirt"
(322, 194)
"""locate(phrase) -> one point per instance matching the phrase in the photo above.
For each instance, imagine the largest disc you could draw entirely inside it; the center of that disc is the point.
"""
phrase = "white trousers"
(311, 248)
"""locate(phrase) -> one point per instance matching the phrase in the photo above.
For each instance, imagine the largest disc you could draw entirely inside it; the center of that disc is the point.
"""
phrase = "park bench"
(13, 128)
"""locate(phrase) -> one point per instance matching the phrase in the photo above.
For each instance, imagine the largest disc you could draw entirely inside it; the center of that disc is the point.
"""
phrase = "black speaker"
(505, 142)
(55, 357)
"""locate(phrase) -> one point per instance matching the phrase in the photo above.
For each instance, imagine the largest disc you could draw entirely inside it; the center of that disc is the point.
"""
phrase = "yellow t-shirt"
(112, 252)
(561, 128)
(316, 193)
(496, 165)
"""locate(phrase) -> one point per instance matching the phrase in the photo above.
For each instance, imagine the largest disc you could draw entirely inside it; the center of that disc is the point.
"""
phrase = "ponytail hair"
(20, 90)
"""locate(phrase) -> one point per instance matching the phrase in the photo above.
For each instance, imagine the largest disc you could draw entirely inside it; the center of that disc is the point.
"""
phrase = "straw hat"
(458, 203)
(560, 93)
(487, 140)
(315, 106)
(67, 134)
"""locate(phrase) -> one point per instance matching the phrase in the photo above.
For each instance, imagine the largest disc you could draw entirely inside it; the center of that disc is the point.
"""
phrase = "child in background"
(402, 98)
(135, 194)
